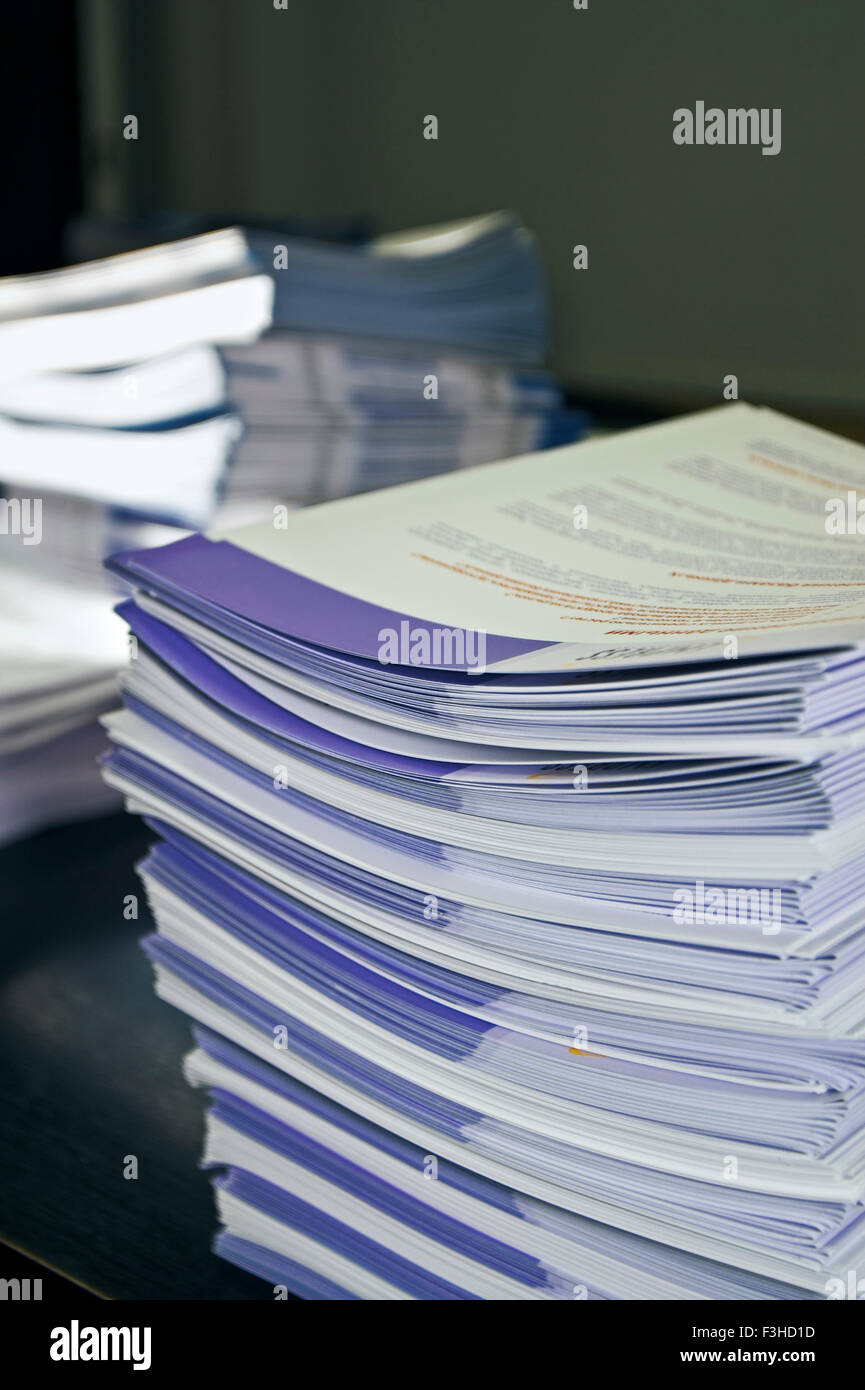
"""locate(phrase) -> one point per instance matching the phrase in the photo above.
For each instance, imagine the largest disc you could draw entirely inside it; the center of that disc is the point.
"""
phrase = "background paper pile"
(121, 422)
(115, 429)
(410, 355)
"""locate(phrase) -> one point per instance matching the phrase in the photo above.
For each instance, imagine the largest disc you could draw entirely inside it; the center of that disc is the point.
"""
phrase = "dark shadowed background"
(702, 261)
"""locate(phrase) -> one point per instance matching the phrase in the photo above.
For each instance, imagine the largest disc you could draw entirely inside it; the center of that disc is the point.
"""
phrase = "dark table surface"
(90, 1074)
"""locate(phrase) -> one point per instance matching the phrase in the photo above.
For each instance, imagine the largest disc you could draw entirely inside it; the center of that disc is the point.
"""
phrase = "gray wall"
(702, 261)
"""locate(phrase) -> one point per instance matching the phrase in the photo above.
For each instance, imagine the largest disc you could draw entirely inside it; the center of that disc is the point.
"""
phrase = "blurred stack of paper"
(510, 864)
(60, 652)
(109, 390)
(476, 284)
(404, 357)
(120, 424)
(328, 417)
(114, 427)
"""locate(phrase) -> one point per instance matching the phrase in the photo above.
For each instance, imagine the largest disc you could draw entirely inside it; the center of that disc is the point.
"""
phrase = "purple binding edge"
(284, 601)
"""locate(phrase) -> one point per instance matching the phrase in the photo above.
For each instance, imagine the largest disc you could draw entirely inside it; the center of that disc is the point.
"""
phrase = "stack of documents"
(509, 863)
(61, 648)
(407, 356)
(121, 423)
(327, 417)
(110, 388)
(115, 428)
(477, 283)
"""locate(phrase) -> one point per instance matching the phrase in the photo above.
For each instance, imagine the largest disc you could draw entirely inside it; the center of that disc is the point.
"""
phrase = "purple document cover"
(221, 575)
